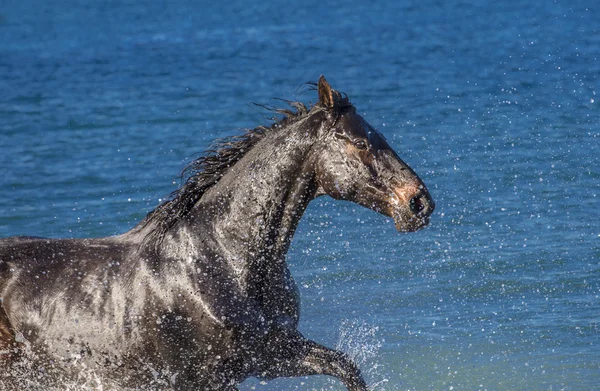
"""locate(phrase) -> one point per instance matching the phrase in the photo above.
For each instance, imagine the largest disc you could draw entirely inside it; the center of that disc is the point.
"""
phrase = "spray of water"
(356, 338)
(359, 340)
(29, 374)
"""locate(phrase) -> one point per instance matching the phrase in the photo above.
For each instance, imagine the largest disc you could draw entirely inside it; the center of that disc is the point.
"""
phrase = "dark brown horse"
(198, 296)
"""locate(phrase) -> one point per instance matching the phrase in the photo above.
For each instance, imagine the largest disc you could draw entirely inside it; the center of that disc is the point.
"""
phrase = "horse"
(198, 295)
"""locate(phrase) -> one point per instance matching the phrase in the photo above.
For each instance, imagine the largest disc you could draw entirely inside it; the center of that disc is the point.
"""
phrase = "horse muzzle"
(416, 215)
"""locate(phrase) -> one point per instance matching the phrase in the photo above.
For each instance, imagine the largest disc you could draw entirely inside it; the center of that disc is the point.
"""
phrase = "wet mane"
(206, 171)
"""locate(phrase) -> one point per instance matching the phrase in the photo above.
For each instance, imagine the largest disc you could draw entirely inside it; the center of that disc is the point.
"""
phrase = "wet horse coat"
(198, 296)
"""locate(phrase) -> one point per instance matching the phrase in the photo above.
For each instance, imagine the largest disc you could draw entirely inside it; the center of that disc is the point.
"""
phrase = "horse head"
(356, 163)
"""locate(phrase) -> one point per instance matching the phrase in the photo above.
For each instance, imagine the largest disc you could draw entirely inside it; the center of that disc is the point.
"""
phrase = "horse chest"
(278, 297)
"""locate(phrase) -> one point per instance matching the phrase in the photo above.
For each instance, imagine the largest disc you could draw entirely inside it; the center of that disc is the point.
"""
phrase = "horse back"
(43, 280)
(35, 258)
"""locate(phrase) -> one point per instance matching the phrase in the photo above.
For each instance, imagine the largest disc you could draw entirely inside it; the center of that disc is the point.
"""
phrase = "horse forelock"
(207, 170)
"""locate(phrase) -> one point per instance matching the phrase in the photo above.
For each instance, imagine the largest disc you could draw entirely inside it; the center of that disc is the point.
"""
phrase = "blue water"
(495, 104)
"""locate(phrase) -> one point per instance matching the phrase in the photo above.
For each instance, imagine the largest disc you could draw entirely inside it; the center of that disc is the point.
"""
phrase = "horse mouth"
(404, 223)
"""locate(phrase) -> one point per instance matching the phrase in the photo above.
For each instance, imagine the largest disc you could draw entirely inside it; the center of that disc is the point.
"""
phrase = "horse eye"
(360, 144)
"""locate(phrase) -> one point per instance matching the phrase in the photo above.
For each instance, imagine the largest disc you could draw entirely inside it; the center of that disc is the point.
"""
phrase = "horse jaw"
(404, 223)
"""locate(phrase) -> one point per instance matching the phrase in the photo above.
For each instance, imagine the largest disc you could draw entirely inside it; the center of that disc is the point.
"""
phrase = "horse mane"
(206, 171)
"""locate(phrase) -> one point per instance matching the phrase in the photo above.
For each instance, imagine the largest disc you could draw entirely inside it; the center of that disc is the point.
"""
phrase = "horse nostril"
(421, 204)
(416, 204)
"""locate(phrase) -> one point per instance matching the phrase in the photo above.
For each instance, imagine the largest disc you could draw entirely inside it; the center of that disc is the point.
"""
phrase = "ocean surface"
(495, 104)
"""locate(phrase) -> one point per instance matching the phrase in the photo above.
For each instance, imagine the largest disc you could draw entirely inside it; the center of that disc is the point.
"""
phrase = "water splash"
(24, 376)
(30, 375)
(360, 341)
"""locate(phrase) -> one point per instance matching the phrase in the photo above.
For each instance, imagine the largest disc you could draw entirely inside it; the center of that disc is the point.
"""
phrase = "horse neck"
(251, 214)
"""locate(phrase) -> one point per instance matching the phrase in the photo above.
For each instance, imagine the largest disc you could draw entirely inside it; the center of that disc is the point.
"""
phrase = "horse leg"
(290, 354)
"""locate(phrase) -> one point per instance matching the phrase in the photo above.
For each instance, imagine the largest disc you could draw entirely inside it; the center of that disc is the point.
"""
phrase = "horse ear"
(325, 93)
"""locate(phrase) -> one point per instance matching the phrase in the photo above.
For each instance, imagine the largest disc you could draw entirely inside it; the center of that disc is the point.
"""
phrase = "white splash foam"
(359, 341)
